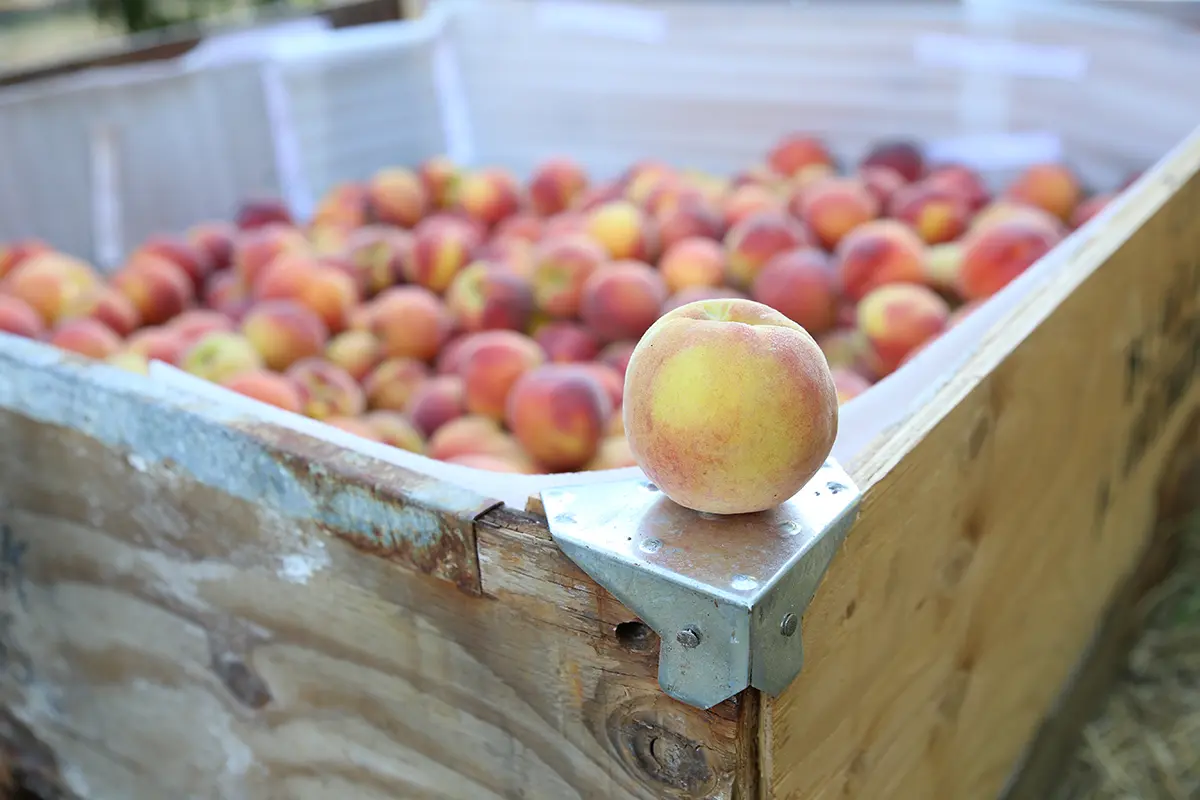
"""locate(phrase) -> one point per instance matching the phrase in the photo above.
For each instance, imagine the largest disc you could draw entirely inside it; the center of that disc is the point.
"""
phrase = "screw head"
(789, 624)
(689, 637)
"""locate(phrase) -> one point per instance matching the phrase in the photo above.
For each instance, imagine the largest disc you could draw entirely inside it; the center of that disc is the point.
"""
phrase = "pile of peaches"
(479, 320)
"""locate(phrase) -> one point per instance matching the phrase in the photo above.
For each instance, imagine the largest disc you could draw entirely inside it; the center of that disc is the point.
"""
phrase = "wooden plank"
(1000, 521)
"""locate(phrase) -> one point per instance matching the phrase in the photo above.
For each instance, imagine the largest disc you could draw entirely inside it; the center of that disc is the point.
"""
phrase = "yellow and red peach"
(558, 413)
(326, 390)
(392, 384)
(489, 297)
(267, 387)
(436, 402)
(796, 152)
(849, 384)
(492, 362)
(441, 247)
(848, 348)
(729, 406)
(610, 379)
(833, 207)
(622, 300)
(397, 196)
(962, 181)
(283, 332)
(562, 265)
(624, 231)
(409, 322)
(129, 361)
(224, 292)
(555, 185)
(254, 250)
(754, 241)
(693, 261)
(488, 195)
(157, 288)
(378, 253)
(613, 453)
(158, 344)
(115, 310)
(191, 259)
(690, 218)
(995, 255)
(13, 253)
(471, 435)
(1050, 187)
(878, 252)
(260, 212)
(439, 175)
(18, 317)
(1089, 208)
(330, 294)
(524, 226)
(937, 214)
(800, 284)
(195, 323)
(220, 355)
(905, 157)
(55, 285)
(505, 464)
(882, 182)
(898, 318)
(943, 266)
(87, 337)
(285, 277)
(567, 342)
(356, 351)
(393, 428)
(214, 239)
(355, 425)
(746, 201)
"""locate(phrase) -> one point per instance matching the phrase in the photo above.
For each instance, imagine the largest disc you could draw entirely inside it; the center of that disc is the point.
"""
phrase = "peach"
(963, 181)
(898, 318)
(115, 310)
(214, 239)
(356, 351)
(344, 205)
(54, 285)
(1050, 187)
(471, 435)
(561, 266)
(439, 175)
(691, 218)
(555, 185)
(129, 361)
(355, 425)
(610, 379)
(624, 231)
(441, 247)
(622, 300)
(492, 363)
(905, 157)
(567, 342)
(191, 325)
(506, 464)
(449, 358)
(849, 384)
(833, 207)
(993, 256)
(328, 239)
(617, 355)
(937, 214)
(283, 332)
(645, 178)
(284, 277)
(158, 344)
(512, 253)
(800, 284)
(397, 196)
(597, 195)
(393, 428)
(616, 425)
(693, 293)
(729, 406)
(881, 182)
(746, 201)
(220, 355)
(224, 291)
(391, 384)
(87, 337)
(524, 226)
(18, 317)
(878, 252)
(566, 223)
(157, 288)
(191, 259)
(409, 322)
(488, 297)
(692, 261)
(795, 152)
(13, 253)
(267, 387)
(754, 241)
(436, 402)
(257, 248)
(943, 266)
(1089, 208)
(1005, 210)
(330, 294)
(488, 195)
(326, 390)
(558, 413)
(613, 453)
(261, 212)
(848, 348)
(962, 312)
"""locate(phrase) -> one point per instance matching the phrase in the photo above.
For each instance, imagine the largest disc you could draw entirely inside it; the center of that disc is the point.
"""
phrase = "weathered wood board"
(196, 605)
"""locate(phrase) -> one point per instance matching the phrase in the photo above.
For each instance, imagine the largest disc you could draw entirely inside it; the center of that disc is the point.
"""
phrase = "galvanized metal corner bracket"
(724, 593)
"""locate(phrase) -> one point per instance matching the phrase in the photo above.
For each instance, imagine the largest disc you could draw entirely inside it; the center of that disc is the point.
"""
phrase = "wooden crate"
(202, 602)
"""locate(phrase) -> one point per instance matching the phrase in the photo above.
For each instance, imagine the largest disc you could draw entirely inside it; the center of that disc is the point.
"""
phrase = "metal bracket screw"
(688, 637)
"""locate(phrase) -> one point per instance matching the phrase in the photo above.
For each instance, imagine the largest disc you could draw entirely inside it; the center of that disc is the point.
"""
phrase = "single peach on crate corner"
(729, 406)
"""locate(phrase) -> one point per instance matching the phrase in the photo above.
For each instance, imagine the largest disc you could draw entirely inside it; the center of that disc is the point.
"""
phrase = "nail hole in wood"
(637, 636)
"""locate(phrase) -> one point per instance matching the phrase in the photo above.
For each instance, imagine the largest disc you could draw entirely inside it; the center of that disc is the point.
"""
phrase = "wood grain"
(999, 522)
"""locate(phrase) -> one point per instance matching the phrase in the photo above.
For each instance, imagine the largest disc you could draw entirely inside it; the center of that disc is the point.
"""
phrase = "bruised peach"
(1050, 187)
(622, 300)
(356, 351)
(833, 207)
(849, 384)
(267, 387)
(800, 284)
(488, 297)
(624, 231)
(754, 241)
(254, 250)
(562, 265)
(691, 294)
(488, 195)
(326, 390)
(729, 406)
(283, 332)
(937, 214)
(558, 413)
(55, 285)
(694, 261)
(18, 317)
(441, 247)
(220, 355)
(393, 428)
(898, 318)
(566, 342)
(157, 288)
(555, 185)
(397, 196)
(795, 152)
(409, 321)
(995, 255)
(87, 337)
(436, 402)
(491, 364)
(903, 156)
(878, 252)
(392, 384)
